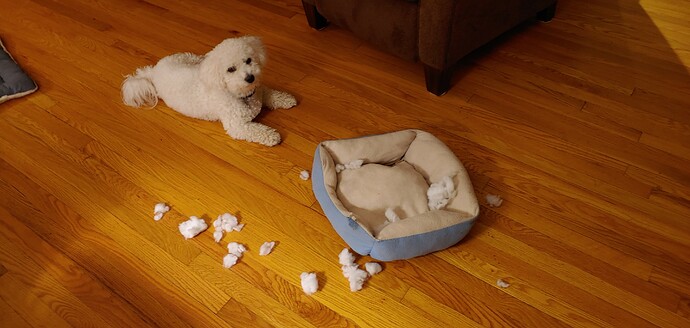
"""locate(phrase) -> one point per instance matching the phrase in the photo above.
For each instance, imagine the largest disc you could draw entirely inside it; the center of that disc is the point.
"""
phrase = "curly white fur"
(223, 85)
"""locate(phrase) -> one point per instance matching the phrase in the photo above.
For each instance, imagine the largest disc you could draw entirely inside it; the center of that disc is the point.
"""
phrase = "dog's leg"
(277, 99)
(252, 131)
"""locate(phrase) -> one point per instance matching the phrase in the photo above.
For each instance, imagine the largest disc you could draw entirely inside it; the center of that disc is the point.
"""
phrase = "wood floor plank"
(78, 280)
(469, 295)
(601, 270)
(428, 305)
(523, 290)
(48, 289)
(245, 297)
(582, 242)
(25, 303)
(106, 219)
(9, 317)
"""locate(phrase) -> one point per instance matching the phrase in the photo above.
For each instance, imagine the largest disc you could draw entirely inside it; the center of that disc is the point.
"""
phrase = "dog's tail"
(138, 89)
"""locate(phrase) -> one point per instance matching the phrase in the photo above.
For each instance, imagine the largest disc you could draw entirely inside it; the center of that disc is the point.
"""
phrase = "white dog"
(223, 85)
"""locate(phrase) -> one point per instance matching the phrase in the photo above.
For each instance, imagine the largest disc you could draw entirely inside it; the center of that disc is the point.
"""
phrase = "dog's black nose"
(249, 78)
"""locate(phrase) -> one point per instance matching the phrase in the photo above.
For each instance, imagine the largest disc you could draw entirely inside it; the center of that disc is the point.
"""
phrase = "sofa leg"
(314, 18)
(548, 13)
(437, 80)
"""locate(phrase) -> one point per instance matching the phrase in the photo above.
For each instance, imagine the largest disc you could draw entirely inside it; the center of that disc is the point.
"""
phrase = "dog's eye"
(248, 61)
(232, 69)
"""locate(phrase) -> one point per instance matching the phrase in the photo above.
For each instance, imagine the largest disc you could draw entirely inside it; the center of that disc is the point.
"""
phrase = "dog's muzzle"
(249, 95)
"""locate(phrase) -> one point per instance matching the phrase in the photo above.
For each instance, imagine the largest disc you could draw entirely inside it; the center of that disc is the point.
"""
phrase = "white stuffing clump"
(225, 222)
(372, 268)
(310, 284)
(494, 200)
(356, 276)
(440, 193)
(391, 216)
(502, 283)
(351, 271)
(192, 227)
(218, 235)
(236, 248)
(349, 166)
(266, 248)
(230, 260)
(346, 258)
(235, 251)
(159, 210)
(304, 175)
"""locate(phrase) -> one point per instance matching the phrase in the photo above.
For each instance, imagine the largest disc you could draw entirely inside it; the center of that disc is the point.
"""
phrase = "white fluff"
(236, 249)
(440, 193)
(372, 268)
(348, 270)
(192, 227)
(391, 216)
(494, 200)
(502, 283)
(355, 276)
(227, 222)
(218, 235)
(349, 166)
(230, 260)
(159, 210)
(351, 271)
(304, 175)
(310, 284)
(266, 248)
(345, 257)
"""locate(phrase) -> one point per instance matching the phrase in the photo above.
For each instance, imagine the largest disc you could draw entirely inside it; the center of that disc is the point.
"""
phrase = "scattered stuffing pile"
(440, 193)
(304, 175)
(353, 273)
(225, 222)
(266, 248)
(349, 166)
(494, 200)
(310, 284)
(192, 227)
(159, 210)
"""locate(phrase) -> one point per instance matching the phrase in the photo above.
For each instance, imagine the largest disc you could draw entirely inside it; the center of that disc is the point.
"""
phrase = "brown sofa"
(438, 33)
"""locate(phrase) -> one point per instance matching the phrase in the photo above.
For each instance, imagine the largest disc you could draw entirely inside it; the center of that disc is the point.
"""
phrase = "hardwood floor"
(581, 124)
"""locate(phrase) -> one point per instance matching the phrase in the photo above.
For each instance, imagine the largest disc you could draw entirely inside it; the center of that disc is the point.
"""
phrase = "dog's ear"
(210, 72)
(257, 46)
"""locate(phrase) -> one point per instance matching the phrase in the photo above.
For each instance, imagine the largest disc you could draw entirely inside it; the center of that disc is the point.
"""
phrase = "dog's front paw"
(290, 101)
(284, 100)
(271, 138)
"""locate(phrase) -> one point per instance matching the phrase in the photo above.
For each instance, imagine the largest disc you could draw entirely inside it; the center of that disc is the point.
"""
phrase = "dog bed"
(397, 171)
(14, 83)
